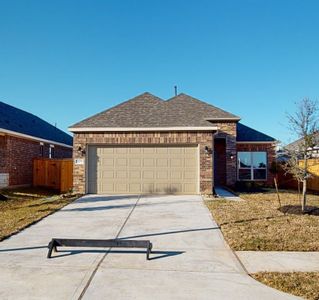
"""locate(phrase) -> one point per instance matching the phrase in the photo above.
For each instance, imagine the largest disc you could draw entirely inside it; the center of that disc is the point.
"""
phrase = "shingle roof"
(20, 121)
(247, 134)
(296, 144)
(147, 110)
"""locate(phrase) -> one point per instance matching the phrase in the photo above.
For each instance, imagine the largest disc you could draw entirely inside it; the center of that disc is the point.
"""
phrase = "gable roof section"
(248, 134)
(19, 121)
(149, 111)
(296, 144)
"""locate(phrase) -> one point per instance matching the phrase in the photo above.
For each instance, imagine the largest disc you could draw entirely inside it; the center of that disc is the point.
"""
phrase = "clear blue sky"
(66, 60)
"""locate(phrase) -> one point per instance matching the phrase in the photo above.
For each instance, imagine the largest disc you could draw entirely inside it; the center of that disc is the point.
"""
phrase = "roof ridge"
(202, 102)
(116, 106)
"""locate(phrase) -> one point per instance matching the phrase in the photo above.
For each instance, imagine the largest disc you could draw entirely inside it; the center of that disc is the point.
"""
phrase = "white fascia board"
(130, 129)
(33, 138)
(224, 119)
(259, 142)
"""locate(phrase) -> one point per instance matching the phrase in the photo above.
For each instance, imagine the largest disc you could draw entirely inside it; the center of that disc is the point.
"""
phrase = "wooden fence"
(287, 180)
(53, 173)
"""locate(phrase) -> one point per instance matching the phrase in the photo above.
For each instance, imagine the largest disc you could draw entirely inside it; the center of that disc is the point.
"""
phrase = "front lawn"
(26, 206)
(302, 284)
(258, 224)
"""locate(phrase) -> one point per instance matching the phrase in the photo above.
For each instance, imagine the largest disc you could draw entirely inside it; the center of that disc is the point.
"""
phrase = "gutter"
(33, 138)
(139, 129)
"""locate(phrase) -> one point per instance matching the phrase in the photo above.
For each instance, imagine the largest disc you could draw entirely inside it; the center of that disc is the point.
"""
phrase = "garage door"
(133, 170)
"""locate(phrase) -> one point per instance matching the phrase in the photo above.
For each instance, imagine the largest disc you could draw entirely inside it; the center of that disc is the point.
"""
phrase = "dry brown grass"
(301, 284)
(26, 206)
(257, 223)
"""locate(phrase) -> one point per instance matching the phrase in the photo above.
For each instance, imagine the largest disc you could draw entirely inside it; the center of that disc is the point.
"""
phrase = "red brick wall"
(130, 138)
(3, 156)
(19, 154)
(227, 130)
(271, 155)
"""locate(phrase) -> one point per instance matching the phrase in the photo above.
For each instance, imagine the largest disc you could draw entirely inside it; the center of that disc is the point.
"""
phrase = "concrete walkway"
(277, 261)
(223, 193)
(191, 260)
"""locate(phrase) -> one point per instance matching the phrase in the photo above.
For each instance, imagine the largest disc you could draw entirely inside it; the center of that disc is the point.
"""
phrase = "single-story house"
(297, 145)
(181, 145)
(23, 137)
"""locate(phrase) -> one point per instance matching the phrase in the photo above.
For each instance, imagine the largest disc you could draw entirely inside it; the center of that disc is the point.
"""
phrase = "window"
(51, 151)
(252, 165)
(41, 150)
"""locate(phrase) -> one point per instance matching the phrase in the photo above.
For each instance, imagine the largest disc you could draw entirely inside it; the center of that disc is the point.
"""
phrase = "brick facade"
(17, 156)
(203, 139)
(226, 133)
(227, 130)
(271, 155)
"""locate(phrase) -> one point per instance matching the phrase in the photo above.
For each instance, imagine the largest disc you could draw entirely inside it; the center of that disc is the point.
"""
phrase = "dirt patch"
(302, 284)
(25, 206)
(258, 224)
(296, 210)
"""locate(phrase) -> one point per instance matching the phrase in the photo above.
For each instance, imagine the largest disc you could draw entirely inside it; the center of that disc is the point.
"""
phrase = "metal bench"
(112, 243)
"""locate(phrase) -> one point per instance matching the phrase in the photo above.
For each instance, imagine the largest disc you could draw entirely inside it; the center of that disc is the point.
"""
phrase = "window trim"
(51, 151)
(41, 149)
(252, 167)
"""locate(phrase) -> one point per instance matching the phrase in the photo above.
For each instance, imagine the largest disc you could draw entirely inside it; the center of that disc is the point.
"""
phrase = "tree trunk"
(304, 194)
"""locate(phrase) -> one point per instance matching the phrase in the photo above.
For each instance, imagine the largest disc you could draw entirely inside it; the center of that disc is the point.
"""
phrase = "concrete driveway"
(190, 259)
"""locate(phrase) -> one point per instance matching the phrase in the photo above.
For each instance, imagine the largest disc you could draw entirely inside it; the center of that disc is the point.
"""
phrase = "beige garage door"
(133, 170)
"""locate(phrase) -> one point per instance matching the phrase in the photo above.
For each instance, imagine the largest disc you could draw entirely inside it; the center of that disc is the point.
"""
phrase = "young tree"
(304, 123)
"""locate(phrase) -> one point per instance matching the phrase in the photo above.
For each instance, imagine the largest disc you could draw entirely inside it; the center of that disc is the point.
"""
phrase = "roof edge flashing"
(129, 129)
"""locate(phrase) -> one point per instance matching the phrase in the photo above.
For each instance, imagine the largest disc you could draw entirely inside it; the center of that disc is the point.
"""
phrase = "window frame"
(41, 151)
(51, 151)
(252, 168)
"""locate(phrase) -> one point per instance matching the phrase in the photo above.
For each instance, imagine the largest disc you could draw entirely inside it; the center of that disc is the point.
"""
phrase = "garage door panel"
(135, 150)
(120, 162)
(162, 175)
(162, 151)
(148, 175)
(189, 163)
(135, 188)
(120, 150)
(162, 188)
(135, 162)
(162, 162)
(149, 162)
(121, 187)
(121, 174)
(143, 169)
(106, 174)
(135, 175)
(177, 175)
(190, 175)
(148, 188)
(105, 163)
(176, 162)
(175, 187)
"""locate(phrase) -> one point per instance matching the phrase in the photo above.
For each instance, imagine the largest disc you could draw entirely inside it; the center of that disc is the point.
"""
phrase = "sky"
(67, 60)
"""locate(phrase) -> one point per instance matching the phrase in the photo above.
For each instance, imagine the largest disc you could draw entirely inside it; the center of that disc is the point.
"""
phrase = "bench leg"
(149, 250)
(51, 246)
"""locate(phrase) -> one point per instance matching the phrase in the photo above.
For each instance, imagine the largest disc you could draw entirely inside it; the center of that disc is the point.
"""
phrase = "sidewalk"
(227, 195)
(279, 261)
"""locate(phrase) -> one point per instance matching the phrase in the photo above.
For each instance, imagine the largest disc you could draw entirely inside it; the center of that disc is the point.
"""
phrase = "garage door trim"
(88, 146)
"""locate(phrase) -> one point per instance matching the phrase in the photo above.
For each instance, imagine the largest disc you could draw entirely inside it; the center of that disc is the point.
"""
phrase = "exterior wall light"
(82, 151)
(207, 150)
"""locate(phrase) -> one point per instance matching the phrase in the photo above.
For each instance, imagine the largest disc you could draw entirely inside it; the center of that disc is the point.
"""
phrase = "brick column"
(228, 131)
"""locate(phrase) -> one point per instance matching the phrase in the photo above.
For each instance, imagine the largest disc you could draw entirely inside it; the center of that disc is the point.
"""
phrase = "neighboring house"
(313, 151)
(24, 137)
(182, 145)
